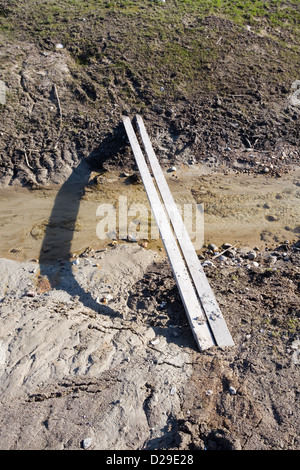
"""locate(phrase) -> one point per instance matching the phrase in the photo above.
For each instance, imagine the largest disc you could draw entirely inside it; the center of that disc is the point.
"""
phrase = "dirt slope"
(210, 83)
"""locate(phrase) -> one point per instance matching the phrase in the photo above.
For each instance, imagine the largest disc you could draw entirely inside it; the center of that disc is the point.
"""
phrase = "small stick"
(59, 109)
(224, 251)
(26, 158)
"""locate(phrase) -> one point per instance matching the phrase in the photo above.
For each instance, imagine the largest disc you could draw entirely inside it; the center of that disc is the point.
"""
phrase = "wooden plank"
(208, 301)
(197, 320)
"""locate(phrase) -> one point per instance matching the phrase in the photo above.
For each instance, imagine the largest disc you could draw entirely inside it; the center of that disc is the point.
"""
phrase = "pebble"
(86, 443)
(31, 293)
(213, 247)
(208, 263)
(226, 246)
(209, 392)
(155, 341)
(252, 255)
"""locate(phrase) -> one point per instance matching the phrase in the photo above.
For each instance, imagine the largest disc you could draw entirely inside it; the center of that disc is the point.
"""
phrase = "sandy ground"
(101, 349)
(87, 353)
(96, 345)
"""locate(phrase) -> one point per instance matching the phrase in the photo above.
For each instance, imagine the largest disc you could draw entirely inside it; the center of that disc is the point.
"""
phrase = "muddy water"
(249, 210)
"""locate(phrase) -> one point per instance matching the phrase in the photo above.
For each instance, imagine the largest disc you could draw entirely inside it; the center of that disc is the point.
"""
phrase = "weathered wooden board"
(208, 301)
(196, 317)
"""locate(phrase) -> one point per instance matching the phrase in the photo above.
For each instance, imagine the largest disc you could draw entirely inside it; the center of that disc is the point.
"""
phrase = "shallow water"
(59, 222)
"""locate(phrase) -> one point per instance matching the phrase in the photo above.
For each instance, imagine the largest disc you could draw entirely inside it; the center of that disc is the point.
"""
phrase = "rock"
(232, 391)
(231, 253)
(155, 341)
(226, 246)
(212, 247)
(31, 293)
(252, 255)
(208, 263)
(86, 443)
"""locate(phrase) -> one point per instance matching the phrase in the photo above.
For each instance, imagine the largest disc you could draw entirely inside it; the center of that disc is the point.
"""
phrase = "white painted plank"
(206, 295)
(197, 320)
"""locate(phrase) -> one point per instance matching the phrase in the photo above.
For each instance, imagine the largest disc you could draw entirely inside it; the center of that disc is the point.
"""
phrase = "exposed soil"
(96, 344)
(126, 372)
(231, 92)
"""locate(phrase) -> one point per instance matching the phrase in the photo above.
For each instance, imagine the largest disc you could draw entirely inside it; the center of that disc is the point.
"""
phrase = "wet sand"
(249, 210)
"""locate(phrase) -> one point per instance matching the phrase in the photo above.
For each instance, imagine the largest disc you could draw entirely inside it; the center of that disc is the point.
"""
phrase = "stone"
(86, 443)
(213, 247)
(208, 263)
(226, 246)
(155, 341)
(252, 255)
(31, 293)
